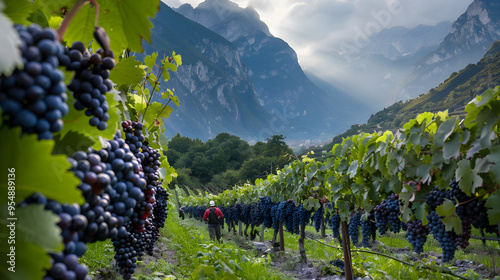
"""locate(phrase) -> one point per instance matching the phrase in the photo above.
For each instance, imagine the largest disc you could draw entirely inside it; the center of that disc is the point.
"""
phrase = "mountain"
(376, 68)
(470, 37)
(282, 87)
(215, 92)
(453, 95)
(400, 41)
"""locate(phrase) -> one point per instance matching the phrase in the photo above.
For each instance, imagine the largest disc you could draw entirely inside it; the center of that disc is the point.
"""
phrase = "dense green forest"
(225, 161)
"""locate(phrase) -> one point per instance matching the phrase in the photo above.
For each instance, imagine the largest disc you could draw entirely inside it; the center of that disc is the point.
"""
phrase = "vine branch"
(390, 257)
(69, 17)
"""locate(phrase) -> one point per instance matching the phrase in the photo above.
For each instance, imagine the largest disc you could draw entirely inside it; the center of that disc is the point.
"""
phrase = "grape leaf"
(51, 7)
(164, 142)
(167, 172)
(72, 142)
(451, 148)
(36, 169)
(18, 10)
(150, 61)
(423, 172)
(127, 72)
(125, 21)
(10, 56)
(444, 131)
(36, 234)
(493, 211)
(451, 220)
(494, 157)
(353, 169)
(77, 121)
(469, 180)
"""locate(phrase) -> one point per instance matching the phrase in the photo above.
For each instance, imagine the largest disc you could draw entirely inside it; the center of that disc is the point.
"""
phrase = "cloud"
(319, 29)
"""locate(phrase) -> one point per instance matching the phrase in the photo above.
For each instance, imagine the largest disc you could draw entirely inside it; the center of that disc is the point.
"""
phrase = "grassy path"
(184, 251)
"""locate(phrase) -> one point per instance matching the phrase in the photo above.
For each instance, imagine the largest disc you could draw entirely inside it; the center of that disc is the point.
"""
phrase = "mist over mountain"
(470, 37)
(377, 67)
(400, 41)
(281, 86)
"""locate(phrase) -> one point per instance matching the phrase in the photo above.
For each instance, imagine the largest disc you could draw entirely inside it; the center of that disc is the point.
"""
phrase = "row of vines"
(437, 175)
(82, 142)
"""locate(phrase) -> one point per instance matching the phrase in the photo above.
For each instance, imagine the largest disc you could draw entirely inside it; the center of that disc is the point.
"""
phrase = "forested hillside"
(225, 161)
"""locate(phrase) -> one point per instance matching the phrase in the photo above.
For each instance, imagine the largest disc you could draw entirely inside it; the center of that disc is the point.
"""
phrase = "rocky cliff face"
(213, 86)
(470, 37)
(282, 87)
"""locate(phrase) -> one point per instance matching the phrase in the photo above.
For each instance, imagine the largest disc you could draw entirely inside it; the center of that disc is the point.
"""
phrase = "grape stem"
(97, 9)
(71, 14)
(69, 17)
(387, 256)
(474, 198)
(152, 93)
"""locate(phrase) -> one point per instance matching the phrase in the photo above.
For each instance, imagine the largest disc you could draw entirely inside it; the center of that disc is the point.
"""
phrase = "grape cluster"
(120, 201)
(34, 98)
(338, 263)
(96, 178)
(237, 213)
(125, 254)
(114, 188)
(91, 81)
(416, 234)
(318, 214)
(335, 225)
(222, 208)
(255, 218)
(353, 227)
(304, 215)
(470, 210)
(265, 205)
(229, 216)
(274, 216)
(387, 213)
(285, 214)
(245, 214)
(296, 220)
(160, 212)
(436, 197)
(72, 223)
(368, 230)
(445, 238)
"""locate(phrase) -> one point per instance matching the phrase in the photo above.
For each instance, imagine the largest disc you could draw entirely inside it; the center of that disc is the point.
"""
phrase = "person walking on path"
(212, 216)
(181, 212)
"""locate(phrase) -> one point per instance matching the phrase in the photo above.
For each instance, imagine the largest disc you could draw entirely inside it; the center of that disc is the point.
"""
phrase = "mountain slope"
(470, 37)
(373, 71)
(399, 41)
(215, 92)
(281, 85)
(452, 95)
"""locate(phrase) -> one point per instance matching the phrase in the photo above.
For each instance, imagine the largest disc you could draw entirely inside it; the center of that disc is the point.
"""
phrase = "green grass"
(98, 259)
(190, 237)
